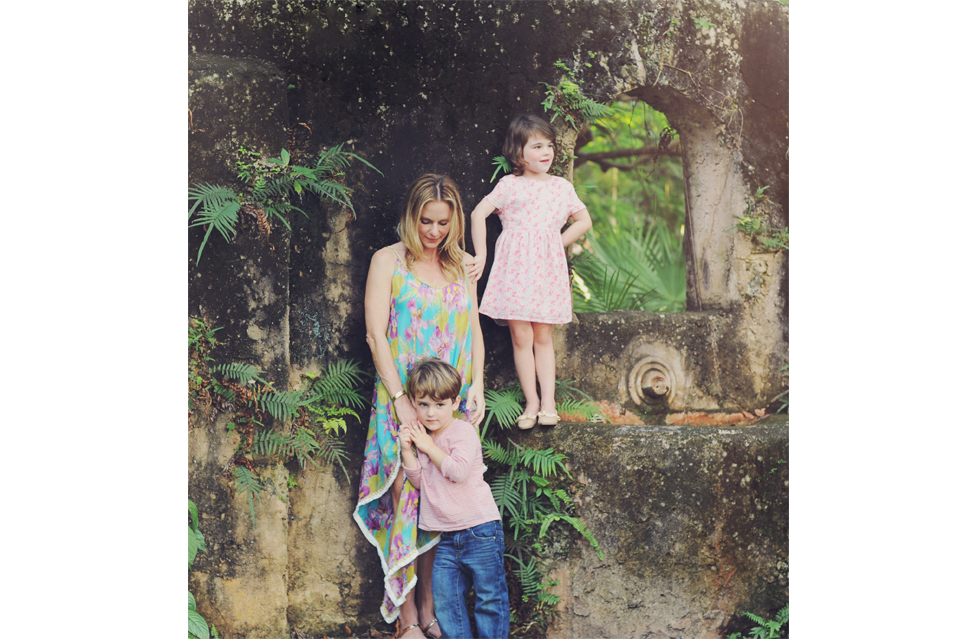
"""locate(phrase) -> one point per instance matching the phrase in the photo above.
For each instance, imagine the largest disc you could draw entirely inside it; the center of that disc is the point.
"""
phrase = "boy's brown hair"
(434, 378)
(521, 129)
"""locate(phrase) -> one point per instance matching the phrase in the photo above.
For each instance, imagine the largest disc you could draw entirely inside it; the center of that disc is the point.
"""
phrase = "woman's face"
(434, 224)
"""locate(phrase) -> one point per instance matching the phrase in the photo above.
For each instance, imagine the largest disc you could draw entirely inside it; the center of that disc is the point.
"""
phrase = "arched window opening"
(629, 173)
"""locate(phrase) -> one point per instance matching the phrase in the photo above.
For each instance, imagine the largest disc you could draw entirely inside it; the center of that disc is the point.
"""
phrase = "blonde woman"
(418, 303)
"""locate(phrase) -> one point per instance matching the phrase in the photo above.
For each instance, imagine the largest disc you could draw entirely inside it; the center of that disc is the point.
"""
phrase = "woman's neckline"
(401, 257)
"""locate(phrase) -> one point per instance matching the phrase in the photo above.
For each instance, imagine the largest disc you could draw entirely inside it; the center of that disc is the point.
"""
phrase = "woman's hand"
(474, 264)
(476, 399)
(404, 412)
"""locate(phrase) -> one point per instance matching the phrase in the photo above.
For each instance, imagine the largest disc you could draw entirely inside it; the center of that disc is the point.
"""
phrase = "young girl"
(529, 285)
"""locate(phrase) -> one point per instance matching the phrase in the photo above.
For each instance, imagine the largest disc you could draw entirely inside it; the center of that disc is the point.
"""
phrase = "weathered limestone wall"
(416, 87)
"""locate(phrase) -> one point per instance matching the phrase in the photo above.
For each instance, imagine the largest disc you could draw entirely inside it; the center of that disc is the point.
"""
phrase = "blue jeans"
(471, 557)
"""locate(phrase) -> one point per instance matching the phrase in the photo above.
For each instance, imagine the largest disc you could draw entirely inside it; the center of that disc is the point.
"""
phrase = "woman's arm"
(581, 224)
(376, 310)
(478, 233)
(475, 392)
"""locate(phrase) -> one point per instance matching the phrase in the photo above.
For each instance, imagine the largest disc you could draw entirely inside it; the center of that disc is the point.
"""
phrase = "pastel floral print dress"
(529, 279)
(424, 321)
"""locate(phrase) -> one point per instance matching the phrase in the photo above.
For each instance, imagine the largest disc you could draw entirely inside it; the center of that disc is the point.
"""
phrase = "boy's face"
(434, 414)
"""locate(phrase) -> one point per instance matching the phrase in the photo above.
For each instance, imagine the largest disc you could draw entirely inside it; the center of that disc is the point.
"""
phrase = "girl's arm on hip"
(478, 233)
(581, 224)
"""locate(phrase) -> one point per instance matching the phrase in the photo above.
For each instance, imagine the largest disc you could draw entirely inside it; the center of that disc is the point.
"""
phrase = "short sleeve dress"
(425, 321)
(529, 279)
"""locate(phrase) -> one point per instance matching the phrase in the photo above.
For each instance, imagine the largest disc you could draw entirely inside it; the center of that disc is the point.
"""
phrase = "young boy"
(454, 499)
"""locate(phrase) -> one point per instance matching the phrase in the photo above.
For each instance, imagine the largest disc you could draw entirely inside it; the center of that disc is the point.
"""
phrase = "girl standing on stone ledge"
(529, 285)
(418, 303)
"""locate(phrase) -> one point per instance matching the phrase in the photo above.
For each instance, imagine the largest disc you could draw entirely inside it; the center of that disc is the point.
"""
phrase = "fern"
(338, 385)
(218, 208)
(577, 524)
(281, 405)
(249, 485)
(530, 580)
(271, 183)
(501, 164)
(583, 409)
(504, 406)
(243, 373)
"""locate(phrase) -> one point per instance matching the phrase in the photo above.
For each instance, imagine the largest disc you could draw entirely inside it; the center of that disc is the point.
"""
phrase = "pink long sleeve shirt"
(454, 496)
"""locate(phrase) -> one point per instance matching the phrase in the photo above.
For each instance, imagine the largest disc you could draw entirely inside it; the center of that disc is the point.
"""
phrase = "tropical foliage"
(196, 625)
(308, 423)
(632, 258)
(271, 184)
(527, 486)
(766, 628)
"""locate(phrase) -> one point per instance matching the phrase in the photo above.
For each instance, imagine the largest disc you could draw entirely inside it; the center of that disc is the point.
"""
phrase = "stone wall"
(430, 86)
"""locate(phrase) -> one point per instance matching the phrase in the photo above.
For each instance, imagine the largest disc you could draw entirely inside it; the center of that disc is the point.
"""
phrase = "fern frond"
(249, 485)
(209, 196)
(281, 405)
(499, 454)
(223, 218)
(506, 495)
(504, 406)
(271, 443)
(582, 409)
(578, 525)
(338, 385)
(243, 373)
(542, 462)
(565, 389)
(783, 616)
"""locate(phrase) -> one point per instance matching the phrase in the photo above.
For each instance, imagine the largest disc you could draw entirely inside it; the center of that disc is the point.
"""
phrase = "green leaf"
(197, 626)
(191, 602)
(285, 156)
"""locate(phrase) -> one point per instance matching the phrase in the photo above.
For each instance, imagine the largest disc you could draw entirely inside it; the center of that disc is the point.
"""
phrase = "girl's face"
(537, 156)
(434, 414)
(434, 224)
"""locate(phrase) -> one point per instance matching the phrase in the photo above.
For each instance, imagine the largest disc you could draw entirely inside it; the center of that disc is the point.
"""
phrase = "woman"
(418, 303)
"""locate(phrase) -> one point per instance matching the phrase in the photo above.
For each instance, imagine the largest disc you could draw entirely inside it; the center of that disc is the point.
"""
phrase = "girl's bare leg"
(408, 609)
(546, 365)
(521, 332)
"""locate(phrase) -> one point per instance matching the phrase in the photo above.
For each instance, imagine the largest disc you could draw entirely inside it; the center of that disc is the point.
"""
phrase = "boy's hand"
(406, 439)
(421, 437)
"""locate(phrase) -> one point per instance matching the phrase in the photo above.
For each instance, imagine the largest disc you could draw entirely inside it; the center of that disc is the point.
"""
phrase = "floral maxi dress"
(424, 321)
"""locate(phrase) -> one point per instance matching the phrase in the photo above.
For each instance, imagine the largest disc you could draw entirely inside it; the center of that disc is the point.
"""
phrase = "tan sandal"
(526, 422)
(548, 419)
(428, 626)
(406, 630)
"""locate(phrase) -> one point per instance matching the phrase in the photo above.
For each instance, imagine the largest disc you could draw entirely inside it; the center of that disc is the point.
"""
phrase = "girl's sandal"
(548, 419)
(430, 625)
(526, 422)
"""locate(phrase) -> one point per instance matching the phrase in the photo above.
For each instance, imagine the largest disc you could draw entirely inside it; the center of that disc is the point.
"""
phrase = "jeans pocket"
(487, 531)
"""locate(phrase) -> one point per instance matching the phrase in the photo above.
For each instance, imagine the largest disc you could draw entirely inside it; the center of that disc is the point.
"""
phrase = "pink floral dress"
(529, 279)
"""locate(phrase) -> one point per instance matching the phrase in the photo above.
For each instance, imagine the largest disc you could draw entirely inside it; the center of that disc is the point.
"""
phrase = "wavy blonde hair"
(428, 188)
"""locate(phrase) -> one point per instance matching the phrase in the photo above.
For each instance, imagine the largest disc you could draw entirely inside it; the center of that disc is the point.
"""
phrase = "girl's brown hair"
(521, 129)
(428, 188)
